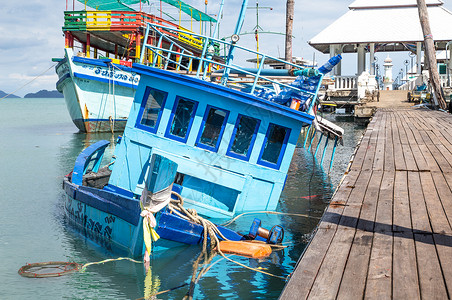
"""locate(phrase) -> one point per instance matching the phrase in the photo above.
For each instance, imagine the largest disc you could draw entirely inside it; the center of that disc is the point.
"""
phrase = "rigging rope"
(29, 81)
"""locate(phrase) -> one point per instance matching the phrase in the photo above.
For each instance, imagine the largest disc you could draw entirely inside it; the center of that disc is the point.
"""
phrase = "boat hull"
(98, 94)
(113, 222)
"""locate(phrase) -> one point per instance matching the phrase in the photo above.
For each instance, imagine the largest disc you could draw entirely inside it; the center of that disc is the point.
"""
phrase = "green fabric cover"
(190, 10)
(109, 4)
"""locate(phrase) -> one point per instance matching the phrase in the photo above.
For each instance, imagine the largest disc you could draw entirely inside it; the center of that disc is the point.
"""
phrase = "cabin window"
(151, 109)
(181, 119)
(212, 128)
(243, 137)
(274, 146)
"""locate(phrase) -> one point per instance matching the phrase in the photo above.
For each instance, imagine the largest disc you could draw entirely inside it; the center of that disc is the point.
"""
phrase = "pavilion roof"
(393, 25)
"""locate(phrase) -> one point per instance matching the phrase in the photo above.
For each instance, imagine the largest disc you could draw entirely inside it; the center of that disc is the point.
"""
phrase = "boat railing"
(89, 160)
(210, 63)
(122, 21)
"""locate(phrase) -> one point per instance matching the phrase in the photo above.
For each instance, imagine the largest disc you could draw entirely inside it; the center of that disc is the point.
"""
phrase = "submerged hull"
(113, 221)
(98, 94)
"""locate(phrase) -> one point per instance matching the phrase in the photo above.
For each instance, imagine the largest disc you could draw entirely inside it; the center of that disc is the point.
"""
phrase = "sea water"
(38, 146)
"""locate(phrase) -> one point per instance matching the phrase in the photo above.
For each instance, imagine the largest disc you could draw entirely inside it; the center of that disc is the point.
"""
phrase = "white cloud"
(31, 33)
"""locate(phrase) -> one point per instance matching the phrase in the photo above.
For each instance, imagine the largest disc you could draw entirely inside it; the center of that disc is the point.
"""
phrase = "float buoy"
(242, 248)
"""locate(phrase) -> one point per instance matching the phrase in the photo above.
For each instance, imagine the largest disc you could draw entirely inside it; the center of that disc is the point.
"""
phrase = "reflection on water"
(39, 146)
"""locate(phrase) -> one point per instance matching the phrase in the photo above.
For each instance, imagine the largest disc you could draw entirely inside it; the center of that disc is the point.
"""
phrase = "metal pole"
(217, 25)
(238, 27)
(312, 139)
(317, 149)
(307, 135)
(332, 155)
(324, 150)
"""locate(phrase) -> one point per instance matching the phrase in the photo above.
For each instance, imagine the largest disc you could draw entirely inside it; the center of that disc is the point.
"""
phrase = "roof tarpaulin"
(109, 4)
(190, 10)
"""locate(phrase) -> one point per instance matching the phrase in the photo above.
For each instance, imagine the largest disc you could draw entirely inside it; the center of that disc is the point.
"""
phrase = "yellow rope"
(268, 212)
(253, 269)
(82, 269)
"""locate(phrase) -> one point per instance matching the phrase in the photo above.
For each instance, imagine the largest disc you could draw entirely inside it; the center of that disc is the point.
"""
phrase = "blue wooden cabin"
(233, 149)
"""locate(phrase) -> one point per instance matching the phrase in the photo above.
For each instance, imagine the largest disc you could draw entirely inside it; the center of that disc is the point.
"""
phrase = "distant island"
(40, 94)
(3, 94)
(44, 94)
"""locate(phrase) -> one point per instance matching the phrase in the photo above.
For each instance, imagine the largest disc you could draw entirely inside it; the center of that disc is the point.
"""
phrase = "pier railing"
(346, 82)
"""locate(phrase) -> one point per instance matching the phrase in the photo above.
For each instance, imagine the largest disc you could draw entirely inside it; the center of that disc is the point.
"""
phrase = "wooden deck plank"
(360, 154)
(431, 162)
(409, 158)
(387, 233)
(329, 277)
(369, 203)
(419, 215)
(439, 158)
(389, 163)
(402, 133)
(447, 162)
(379, 277)
(350, 215)
(438, 219)
(444, 193)
(405, 277)
(443, 245)
(379, 158)
(399, 159)
(307, 268)
(371, 149)
(354, 278)
(333, 213)
(430, 276)
(402, 213)
(384, 217)
(421, 163)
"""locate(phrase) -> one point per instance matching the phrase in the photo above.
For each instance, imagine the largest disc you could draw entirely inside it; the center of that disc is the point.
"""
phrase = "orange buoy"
(243, 248)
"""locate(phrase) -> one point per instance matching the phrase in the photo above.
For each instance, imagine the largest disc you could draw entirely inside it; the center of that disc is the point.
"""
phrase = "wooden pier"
(387, 233)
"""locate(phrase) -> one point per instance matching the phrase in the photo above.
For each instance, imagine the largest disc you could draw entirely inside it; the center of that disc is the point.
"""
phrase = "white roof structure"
(391, 24)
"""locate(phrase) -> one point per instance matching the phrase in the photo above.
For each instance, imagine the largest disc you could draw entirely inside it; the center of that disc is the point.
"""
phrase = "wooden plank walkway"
(387, 233)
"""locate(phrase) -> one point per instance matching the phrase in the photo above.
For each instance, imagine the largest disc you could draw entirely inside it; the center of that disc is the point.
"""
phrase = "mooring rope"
(267, 212)
(62, 267)
(210, 231)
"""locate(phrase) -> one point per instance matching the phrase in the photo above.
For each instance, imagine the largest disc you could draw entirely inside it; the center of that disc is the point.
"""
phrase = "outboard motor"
(273, 236)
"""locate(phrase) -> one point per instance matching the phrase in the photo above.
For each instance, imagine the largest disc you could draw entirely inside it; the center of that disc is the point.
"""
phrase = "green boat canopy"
(109, 4)
(190, 10)
(121, 5)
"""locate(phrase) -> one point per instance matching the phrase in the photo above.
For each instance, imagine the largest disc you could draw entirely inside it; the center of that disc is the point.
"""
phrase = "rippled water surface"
(38, 146)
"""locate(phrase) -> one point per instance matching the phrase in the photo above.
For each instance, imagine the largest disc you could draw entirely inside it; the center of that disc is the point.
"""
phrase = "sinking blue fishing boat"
(219, 141)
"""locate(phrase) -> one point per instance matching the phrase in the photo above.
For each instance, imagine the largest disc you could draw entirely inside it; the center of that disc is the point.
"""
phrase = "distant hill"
(44, 94)
(3, 94)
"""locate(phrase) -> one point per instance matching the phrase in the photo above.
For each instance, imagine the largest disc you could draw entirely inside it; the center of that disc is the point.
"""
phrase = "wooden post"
(88, 45)
(289, 29)
(430, 53)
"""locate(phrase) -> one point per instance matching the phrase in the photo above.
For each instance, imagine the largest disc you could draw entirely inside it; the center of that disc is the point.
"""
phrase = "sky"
(31, 35)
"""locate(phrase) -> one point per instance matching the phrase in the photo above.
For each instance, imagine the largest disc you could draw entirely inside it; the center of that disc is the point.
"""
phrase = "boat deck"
(387, 232)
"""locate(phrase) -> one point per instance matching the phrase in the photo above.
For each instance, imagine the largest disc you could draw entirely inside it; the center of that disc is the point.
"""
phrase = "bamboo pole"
(430, 53)
(289, 29)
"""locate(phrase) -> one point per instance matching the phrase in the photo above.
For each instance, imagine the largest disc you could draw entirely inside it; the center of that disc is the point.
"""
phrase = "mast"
(289, 29)
(430, 54)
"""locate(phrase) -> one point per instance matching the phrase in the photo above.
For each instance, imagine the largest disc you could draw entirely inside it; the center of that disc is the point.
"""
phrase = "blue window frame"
(275, 144)
(151, 109)
(181, 119)
(243, 137)
(212, 128)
